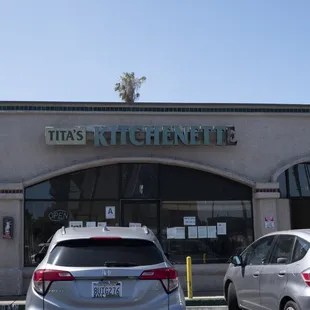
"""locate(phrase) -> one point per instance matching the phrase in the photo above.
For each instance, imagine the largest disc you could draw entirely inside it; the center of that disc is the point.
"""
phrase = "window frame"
(294, 248)
(275, 246)
(252, 246)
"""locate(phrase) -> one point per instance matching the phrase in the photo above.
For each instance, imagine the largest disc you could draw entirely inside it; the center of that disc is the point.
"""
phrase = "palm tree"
(128, 87)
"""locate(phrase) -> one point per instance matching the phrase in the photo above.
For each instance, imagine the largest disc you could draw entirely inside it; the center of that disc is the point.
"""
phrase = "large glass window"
(90, 184)
(179, 183)
(295, 182)
(210, 230)
(44, 218)
(192, 212)
(140, 181)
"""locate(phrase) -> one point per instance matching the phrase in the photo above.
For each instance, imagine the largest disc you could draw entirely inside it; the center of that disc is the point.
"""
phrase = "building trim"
(152, 108)
(159, 160)
(288, 165)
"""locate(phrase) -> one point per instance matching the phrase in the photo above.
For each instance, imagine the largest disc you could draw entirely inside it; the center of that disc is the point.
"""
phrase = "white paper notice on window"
(170, 233)
(192, 232)
(189, 220)
(202, 232)
(102, 224)
(179, 233)
(221, 229)
(211, 231)
(134, 224)
(110, 212)
(76, 224)
(91, 224)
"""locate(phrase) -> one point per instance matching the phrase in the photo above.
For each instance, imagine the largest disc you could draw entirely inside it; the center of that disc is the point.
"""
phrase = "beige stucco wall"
(265, 144)
(11, 258)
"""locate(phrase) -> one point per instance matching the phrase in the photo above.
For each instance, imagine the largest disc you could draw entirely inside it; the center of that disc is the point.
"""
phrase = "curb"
(203, 302)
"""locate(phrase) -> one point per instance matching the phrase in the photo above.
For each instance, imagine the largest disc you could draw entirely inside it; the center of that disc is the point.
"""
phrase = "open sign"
(58, 215)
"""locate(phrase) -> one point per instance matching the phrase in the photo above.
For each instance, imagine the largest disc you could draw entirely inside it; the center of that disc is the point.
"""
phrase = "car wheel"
(232, 300)
(291, 305)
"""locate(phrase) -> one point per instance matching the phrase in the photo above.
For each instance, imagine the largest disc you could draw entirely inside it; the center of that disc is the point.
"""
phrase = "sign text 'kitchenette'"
(140, 135)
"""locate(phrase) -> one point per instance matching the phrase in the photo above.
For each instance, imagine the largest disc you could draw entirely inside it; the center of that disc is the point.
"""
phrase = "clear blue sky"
(189, 50)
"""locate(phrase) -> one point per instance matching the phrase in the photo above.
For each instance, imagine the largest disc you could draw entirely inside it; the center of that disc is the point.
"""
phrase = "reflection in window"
(295, 182)
(44, 218)
(259, 252)
(140, 181)
(299, 180)
(95, 183)
(283, 249)
(218, 246)
(282, 185)
(186, 184)
(83, 195)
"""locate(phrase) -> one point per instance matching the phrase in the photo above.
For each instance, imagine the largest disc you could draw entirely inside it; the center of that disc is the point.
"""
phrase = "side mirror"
(282, 260)
(237, 260)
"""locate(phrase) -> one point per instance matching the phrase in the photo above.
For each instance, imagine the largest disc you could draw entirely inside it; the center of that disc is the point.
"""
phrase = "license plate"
(106, 289)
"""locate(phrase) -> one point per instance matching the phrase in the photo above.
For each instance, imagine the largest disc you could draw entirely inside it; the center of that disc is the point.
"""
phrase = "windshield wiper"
(119, 264)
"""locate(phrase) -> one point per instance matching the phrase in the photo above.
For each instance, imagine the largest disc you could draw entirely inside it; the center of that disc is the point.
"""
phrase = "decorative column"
(11, 239)
(266, 217)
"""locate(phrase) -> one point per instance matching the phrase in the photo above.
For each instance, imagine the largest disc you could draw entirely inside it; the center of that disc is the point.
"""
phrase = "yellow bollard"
(204, 258)
(189, 277)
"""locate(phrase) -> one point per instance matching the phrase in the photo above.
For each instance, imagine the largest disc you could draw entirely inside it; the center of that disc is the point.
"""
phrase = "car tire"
(232, 300)
(291, 305)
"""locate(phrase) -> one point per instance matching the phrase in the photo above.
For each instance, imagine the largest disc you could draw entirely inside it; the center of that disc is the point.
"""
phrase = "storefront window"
(91, 184)
(218, 229)
(185, 184)
(295, 182)
(139, 181)
(44, 218)
(162, 197)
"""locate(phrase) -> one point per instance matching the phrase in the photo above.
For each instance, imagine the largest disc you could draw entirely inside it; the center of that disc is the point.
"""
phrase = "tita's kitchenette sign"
(65, 136)
(141, 135)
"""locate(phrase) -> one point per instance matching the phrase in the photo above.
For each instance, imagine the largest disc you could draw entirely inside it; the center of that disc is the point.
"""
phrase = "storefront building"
(206, 178)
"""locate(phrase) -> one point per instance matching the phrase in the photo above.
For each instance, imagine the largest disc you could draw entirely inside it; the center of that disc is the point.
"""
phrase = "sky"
(191, 51)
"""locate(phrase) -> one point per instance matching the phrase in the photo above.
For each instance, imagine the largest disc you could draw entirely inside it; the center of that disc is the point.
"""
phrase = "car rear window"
(300, 250)
(105, 252)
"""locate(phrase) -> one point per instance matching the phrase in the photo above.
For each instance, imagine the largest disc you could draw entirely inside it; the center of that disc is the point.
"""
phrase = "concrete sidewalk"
(209, 303)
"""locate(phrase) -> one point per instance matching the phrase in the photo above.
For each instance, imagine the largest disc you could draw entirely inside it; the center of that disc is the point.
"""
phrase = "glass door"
(141, 212)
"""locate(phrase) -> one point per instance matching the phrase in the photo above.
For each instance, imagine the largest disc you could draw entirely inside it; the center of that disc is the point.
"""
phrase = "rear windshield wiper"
(119, 264)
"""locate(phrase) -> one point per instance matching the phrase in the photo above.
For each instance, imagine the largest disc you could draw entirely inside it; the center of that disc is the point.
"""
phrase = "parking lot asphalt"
(196, 303)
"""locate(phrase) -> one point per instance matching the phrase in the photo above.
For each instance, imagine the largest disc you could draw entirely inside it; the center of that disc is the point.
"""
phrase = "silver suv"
(272, 273)
(105, 268)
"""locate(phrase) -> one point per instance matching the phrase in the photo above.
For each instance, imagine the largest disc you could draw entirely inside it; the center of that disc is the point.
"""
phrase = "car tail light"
(42, 279)
(167, 276)
(306, 276)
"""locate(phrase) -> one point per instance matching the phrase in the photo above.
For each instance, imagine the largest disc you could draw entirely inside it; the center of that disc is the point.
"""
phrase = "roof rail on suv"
(146, 230)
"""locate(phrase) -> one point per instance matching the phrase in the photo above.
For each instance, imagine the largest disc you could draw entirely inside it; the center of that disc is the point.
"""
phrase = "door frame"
(157, 202)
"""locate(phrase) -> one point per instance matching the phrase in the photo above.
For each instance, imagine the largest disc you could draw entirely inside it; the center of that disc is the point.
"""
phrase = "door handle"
(282, 273)
(256, 274)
